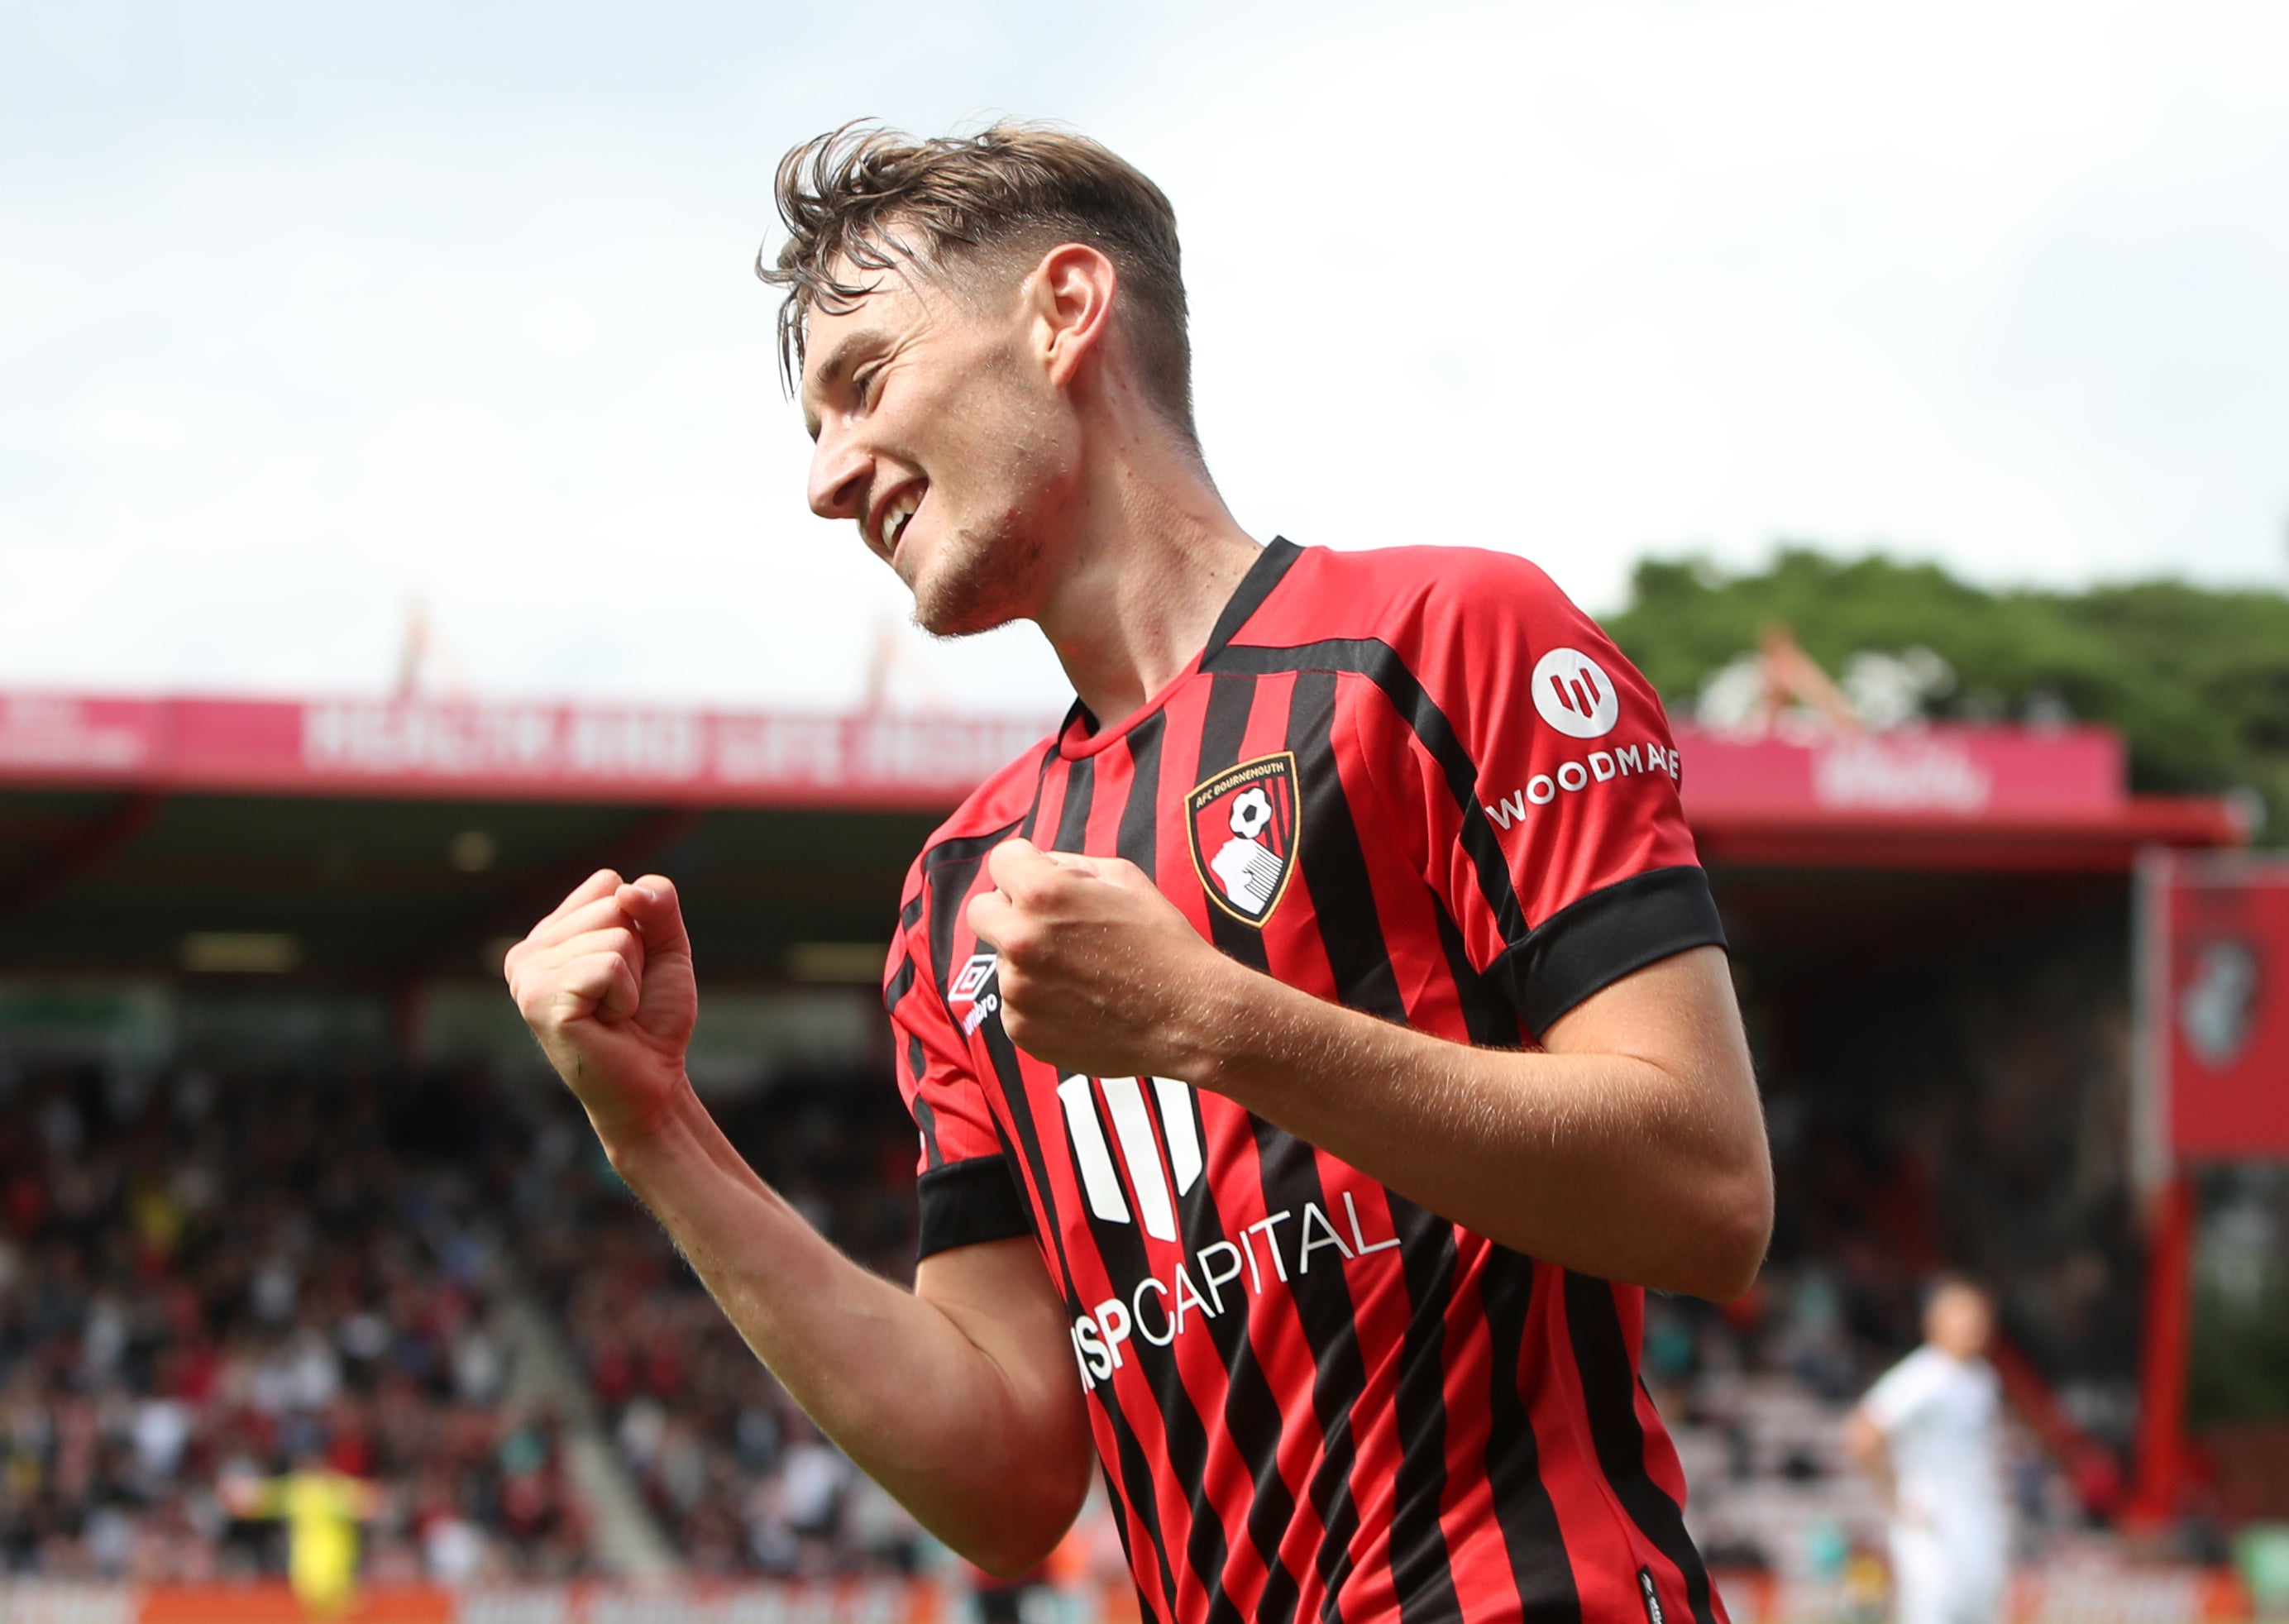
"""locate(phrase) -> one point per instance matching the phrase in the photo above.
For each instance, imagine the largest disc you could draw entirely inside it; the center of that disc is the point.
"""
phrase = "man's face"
(1957, 1321)
(938, 434)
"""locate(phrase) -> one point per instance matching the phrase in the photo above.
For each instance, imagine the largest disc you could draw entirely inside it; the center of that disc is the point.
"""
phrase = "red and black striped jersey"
(1422, 783)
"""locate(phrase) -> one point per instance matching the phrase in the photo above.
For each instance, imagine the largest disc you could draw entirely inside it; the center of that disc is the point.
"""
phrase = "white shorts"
(1951, 1572)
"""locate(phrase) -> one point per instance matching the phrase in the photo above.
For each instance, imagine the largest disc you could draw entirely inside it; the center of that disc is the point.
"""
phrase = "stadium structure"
(282, 1175)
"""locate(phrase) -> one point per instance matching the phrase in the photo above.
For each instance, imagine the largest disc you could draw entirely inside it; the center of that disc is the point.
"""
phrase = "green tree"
(2196, 679)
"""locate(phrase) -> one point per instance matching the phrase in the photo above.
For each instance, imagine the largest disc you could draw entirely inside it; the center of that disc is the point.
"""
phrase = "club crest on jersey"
(1242, 823)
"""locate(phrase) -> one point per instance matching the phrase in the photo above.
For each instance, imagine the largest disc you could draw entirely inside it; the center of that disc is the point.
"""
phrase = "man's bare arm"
(1633, 1148)
(959, 1398)
(1864, 1442)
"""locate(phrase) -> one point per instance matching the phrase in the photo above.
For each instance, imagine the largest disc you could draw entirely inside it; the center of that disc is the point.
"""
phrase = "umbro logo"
(971, 977)
(968, 987)
(1155, 1181)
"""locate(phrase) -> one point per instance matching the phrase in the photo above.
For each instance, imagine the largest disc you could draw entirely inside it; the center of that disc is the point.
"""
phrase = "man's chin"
(949, 622)
(965, 596)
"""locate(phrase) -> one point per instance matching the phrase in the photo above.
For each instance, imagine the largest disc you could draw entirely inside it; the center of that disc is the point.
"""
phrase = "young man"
(1930, 1430)
(1307, 1043)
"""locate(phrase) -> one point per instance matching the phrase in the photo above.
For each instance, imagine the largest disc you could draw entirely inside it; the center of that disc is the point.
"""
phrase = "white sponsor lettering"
(1571, 778)
(1132, 1125)
(1311, 1215)
(1265, 1226)
(1361, 1244)
(1217, 1279)
(1112, 1323)
(1909, 774)
(1168, 1327)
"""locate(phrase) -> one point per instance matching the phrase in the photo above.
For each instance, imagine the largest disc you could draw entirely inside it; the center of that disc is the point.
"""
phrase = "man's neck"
(1153, 557)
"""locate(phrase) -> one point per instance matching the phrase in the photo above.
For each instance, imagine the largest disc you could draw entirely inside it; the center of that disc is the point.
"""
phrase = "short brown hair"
(1010, 189)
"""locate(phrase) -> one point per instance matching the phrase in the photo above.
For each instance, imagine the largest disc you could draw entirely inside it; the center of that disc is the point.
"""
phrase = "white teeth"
(894, 522)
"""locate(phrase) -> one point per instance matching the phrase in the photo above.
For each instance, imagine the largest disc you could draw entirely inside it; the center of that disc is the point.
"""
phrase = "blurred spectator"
(208, 1274)
(736, 1474)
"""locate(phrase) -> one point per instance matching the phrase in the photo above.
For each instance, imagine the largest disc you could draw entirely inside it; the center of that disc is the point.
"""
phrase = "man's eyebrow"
(838, 361)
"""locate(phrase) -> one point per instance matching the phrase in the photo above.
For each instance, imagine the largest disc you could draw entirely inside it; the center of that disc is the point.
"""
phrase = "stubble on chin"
(977, 583)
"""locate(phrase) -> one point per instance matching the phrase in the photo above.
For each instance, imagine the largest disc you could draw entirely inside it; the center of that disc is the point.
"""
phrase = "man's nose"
(838, 476)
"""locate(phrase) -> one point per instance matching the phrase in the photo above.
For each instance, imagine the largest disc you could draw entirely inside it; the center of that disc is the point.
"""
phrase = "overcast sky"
(308, 313)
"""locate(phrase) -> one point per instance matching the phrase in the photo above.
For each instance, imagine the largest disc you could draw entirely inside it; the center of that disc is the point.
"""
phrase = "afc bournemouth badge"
(1242, 826)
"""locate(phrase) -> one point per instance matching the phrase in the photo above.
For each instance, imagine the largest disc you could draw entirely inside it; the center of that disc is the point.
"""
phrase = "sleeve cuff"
(1595, 940)
(967, 1203)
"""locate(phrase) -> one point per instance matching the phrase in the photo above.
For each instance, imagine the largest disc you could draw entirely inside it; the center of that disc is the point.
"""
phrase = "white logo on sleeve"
(1574, 695)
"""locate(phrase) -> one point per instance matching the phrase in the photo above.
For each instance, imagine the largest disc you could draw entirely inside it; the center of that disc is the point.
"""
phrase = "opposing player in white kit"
(1931, 1429)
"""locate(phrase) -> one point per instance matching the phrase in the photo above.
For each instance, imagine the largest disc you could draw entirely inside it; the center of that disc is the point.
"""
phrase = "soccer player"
(322, 1508)
(1315, 1047)
(1928, 1430)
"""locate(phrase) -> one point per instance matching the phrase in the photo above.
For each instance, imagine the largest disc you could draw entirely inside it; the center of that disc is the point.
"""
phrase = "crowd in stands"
(739, 1480)
(203, 1273)
(207, 1276)
(1946, 1115)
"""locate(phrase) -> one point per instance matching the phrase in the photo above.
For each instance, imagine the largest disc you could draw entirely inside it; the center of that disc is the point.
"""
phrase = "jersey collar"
(1079, 735)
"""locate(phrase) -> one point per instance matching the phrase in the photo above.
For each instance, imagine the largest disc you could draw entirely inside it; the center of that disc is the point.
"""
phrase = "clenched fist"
(605, 982)
(1099, 974)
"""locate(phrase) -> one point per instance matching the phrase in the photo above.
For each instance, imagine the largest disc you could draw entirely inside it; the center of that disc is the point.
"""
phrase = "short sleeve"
(1902, 1391)
(1557, 837)
(964, 1188)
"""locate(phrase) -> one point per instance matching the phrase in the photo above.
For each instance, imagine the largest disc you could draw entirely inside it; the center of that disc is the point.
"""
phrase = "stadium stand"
(736, 1476)
(204, 1274)
(246, 1210)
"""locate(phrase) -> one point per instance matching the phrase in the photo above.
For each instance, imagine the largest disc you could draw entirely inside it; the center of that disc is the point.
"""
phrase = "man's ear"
(1071, 291)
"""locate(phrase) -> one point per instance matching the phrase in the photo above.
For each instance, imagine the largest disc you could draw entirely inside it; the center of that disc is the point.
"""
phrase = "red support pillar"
(2162, 1370)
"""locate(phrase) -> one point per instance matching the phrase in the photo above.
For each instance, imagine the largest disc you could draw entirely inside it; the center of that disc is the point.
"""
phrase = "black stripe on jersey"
(925, 1117)
(1379, 663)
(1538, 1564)
(1137, 1467)
(1270, 568)
(1138, 1473)
(1185, 1430)
(1251, 1411)
(948, 868)
(1336, 877)
(894, 994)
(1072, 817)
(1420, 1569)
(1334, 864)
(1486, 1014)
(966, 1202)
(1595, 940)
(1184, 1439)
(1050, 758)
(1343, 900)
(900, 983)
(1609, 1393)
(1139, 839)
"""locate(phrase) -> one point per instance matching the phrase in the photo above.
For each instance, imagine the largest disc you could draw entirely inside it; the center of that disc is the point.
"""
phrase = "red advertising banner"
(504, 750)
(1936, 776)
(2215, 975)
(1939, 773)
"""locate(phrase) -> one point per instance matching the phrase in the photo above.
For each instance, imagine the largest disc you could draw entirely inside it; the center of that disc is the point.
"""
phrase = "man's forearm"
(903, 1385)
(1602, 1162)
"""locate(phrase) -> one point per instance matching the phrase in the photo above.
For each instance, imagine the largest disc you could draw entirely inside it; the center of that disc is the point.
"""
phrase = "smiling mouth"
(899, 515)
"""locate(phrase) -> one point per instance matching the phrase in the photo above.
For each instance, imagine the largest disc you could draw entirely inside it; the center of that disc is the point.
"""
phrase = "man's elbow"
(1730, 1247)
(1029, 1522)
(1012, 1549)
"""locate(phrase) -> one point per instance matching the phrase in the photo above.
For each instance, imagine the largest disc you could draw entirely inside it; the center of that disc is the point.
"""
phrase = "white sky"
(310, 312)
